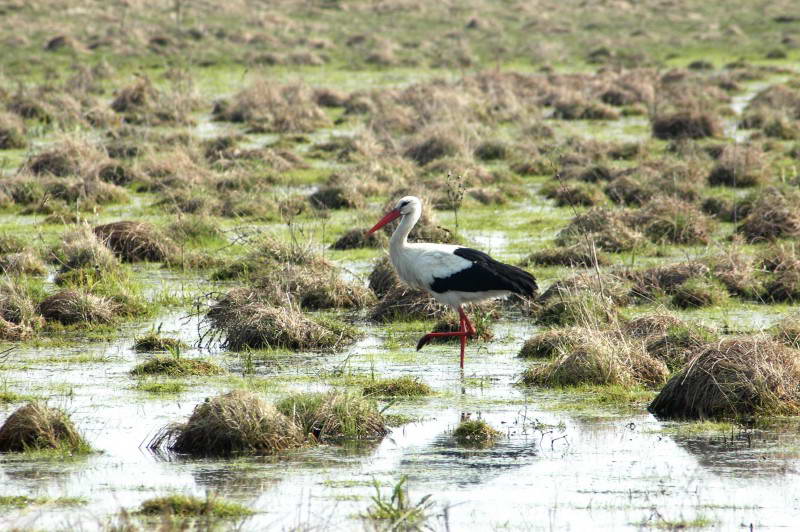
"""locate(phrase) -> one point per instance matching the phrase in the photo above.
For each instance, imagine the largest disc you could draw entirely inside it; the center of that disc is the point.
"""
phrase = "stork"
(453, 275)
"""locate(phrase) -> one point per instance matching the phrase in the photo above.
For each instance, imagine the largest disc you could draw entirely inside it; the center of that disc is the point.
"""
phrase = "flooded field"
(195, 332)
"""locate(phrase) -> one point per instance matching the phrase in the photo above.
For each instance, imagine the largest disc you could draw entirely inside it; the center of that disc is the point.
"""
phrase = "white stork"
(453, 275)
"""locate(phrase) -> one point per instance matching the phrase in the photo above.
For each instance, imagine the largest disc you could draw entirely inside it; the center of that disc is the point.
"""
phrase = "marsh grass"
(397, 511)
(475, 433)
(153, 342)
(188, 506)
(175, 366)
(237, 422)
(38, 427)
(335, 416)
(734, 378)
(601, 358)
(405, 386)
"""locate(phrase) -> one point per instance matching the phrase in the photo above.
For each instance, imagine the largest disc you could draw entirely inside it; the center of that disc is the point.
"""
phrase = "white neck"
(400, 235)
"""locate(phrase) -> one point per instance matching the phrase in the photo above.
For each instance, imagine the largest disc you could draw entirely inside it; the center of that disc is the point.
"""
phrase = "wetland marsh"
(195, 333)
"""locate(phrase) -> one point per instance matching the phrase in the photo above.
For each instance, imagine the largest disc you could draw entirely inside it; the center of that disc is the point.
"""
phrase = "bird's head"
(405, 205)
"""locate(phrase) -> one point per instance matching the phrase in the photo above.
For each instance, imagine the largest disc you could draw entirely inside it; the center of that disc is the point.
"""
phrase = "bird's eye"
(403, 204)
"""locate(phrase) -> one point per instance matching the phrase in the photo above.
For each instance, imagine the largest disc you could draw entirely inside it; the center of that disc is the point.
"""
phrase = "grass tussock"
(405, 304)
(266, 107)
(406, 386)
(26, 262)
(734, 378)
(547, 343)
(582, 308)
(136, 241)
(774, 214)
(237, 422)
(37, 426)
(75, 306)
(686, 125)
(186, 506)
(580, 255)
(173, 366)
(81, 248)
(476, 433)
(739, 166)
(358, 238)
(256, 325)
(153, 342)
(601, 358)
(335, 416)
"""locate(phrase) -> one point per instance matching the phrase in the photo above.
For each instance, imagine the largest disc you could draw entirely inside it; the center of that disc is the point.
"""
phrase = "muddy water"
(554, 469)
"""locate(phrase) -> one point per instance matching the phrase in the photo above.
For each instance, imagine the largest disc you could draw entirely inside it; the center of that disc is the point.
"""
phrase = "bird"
(453, 275)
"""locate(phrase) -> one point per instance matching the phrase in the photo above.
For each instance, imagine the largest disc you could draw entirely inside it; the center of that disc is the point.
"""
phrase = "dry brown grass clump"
(37, 426)
(738, 377)
(268, 107)
(649, 325)
(610, 231)
(143, 103)
(383, 278)
(774, 214)
(573, 194)
(589, 309)
(312, 288)
(25, 262)
(600, 358)
(74, 306)
(333, 197)
(248, 324)
(69, 157)
(736, 270)
(699, 292)
(668, 219)
(358, 238)
(686, 125)
(82, 249)
(787, 331)
(404, 303)
(547, 343)
(237, 422)
(12, 132)
(578, 255)
(659, 280)
(19, 318)
(739, 166)
(136, 241)
(334, 416)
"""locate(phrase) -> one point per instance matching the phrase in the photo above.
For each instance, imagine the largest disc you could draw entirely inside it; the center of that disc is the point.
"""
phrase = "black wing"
(485, 274)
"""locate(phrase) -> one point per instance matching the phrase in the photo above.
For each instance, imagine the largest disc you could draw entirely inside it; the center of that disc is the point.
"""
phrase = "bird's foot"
(425, 340)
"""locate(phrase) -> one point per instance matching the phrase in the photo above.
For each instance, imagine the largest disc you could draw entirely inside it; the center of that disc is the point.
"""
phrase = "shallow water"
(554, 468)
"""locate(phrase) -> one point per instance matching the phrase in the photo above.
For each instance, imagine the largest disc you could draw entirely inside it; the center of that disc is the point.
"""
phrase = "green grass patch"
(23, 501)
(188, 506)
(160, 387)
(397, 387)
(172, 366)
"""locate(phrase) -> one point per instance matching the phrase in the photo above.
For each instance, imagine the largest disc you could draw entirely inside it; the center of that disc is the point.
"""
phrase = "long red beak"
(392, 215)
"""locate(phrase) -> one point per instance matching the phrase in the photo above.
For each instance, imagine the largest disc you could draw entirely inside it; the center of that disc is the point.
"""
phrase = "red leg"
(469, 328)
(463, 328)
(462, 332)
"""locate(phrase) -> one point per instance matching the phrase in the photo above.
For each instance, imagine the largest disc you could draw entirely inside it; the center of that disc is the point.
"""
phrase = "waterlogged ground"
(564, 461)
(568, 460)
